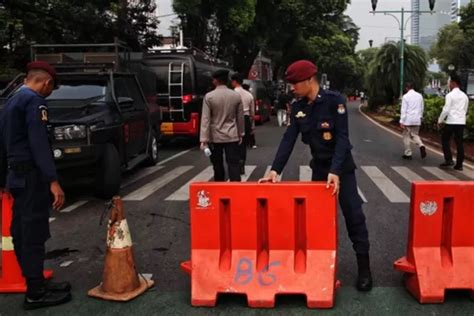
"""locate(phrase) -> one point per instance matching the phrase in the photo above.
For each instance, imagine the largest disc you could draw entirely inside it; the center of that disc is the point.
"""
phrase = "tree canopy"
(383, 80)
(75, 21)
(285, 30)
(455, 43)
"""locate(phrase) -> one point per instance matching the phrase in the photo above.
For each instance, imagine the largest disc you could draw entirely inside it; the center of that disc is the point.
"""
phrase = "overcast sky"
(379, 28)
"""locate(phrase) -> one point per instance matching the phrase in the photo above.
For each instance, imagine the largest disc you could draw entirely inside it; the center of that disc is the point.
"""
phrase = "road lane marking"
(267, 171)
(153, 186)
(248, 172)
(432, 149)
(72, 207)
(174, 156)
(183, 193)
(66, 264)
(52, 219)
(305, 173)
(362, 196)
(388, 188)
(406, 173)
(140, 174)
(441, 174)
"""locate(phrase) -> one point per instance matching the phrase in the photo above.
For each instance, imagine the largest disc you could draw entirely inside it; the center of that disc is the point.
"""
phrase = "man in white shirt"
(249, 113)
(454, 117)
(410, 120)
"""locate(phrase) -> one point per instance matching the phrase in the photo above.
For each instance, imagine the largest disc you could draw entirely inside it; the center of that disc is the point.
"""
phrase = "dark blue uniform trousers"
(30, 225)
(351, 205)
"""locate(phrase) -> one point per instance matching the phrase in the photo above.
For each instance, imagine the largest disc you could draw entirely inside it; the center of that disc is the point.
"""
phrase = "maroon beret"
(300, 70)
(42, 65)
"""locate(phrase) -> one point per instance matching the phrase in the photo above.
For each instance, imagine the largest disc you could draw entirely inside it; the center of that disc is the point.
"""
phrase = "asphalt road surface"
(156, 205)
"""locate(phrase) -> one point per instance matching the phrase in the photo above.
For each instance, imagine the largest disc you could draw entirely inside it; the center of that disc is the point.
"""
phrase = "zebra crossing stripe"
(248, 172)
(443, 175)
(72, 207)
(305, 173)
(406, 173)
(153, 186)
(388, 188)
(183, 193)
(140, 175)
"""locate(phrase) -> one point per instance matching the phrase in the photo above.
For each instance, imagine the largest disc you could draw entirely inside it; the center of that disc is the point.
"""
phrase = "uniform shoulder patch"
(43, 110)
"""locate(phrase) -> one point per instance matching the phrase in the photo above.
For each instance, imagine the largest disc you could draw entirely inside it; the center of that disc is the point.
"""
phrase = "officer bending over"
(32, 180)
(321, 118)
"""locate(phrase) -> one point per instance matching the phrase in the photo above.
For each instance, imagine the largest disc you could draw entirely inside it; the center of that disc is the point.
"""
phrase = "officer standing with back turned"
(321, 118)
(32, 180)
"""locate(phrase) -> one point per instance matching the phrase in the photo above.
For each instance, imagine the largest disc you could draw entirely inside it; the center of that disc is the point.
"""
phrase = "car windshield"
(80, 92)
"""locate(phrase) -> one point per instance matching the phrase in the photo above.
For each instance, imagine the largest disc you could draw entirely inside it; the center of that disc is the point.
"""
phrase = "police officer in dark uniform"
(32, 180)
(321, 118)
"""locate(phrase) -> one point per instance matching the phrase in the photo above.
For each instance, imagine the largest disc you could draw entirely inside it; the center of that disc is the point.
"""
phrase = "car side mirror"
(125, 103)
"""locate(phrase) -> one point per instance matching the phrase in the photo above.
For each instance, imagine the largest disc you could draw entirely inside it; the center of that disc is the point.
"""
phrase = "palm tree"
(383, 80)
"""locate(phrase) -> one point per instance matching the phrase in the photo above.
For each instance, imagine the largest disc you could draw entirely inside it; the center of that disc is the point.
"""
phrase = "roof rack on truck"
(114, 56)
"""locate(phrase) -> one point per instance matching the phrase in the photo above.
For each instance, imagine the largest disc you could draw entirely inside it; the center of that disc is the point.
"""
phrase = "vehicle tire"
(153, 147)
(108, 174)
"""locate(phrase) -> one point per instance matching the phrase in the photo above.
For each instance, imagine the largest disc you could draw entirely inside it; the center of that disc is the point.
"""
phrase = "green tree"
(455, 42)
(76, 21)
(284, 30)
(384, 72)
(448, 45)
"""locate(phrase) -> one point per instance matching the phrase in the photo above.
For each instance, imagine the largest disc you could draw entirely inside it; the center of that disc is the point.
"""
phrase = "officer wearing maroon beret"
(32, 180)
(321, 118)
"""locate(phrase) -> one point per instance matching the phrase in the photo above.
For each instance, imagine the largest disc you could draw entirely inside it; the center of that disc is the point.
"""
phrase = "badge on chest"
(341, 109)
(327, 136)
(300, 114)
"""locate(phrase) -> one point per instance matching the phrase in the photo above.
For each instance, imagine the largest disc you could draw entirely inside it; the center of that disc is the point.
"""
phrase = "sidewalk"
(429, 137)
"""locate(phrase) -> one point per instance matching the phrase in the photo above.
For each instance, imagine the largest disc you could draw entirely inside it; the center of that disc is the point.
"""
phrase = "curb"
(432, 146)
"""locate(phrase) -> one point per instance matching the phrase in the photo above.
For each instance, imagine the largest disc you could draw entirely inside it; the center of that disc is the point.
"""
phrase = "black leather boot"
(38, 295)
(364, 278)
(58, 286)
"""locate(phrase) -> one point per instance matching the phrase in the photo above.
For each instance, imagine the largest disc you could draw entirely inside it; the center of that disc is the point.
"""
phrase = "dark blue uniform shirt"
(323, 125)
(24, 135)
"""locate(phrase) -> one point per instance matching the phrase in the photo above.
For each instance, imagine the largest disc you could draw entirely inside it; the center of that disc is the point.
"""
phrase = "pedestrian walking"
(321, 118)
(222, 127)
(410, 120)
(32, 180)
(252, 143)
(248, 104)
(282, 108)
(453, 117)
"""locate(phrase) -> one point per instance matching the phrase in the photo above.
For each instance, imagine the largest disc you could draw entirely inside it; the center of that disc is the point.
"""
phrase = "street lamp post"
(403, 24)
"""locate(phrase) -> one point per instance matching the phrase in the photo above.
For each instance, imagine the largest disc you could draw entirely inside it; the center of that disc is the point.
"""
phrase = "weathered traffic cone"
(120, 280)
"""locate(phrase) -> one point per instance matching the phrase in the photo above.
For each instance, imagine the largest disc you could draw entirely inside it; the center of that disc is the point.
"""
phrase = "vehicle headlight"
(70, 132)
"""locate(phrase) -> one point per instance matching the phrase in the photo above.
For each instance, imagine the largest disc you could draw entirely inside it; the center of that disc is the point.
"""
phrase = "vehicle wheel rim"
(154, 148)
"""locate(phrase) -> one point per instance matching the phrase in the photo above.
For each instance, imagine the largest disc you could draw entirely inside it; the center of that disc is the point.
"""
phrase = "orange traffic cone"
(120, 280)
(11, 278)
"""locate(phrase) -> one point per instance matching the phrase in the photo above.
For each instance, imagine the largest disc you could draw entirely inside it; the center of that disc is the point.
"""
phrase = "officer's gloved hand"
(270, 177)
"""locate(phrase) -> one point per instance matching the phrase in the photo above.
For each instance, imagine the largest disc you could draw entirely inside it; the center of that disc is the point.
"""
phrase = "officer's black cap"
(221, 74)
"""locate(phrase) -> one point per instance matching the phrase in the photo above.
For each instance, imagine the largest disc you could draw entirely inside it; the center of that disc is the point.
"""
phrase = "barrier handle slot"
(225, 233)
(262, 234)
(300, 235)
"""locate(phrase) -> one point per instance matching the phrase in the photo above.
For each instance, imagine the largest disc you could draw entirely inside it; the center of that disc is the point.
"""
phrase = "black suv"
(101, 124)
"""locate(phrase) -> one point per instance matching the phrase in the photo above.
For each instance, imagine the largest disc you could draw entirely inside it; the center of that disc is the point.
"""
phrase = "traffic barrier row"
(440, 252)
(11, 278)
(262, 240)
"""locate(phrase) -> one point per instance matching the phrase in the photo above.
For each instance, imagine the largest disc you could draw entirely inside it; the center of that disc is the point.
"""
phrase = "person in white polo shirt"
(453, 117)
(410, 120)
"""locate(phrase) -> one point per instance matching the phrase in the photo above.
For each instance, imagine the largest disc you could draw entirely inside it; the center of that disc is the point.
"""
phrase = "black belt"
(21, 166)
